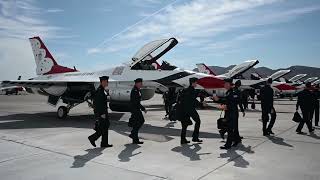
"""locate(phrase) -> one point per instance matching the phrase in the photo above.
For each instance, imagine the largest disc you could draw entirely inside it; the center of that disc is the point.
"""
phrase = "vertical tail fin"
(205, 69)
(45, 62)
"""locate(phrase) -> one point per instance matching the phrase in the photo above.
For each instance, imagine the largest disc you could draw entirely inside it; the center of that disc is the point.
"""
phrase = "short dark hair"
(269, 81)
(308, 84)
(138, 80)
(193, 80)
(237, 83)
(103, 78)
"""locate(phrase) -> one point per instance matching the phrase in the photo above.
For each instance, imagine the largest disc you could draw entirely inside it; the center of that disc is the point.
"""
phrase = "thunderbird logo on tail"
(45, 62)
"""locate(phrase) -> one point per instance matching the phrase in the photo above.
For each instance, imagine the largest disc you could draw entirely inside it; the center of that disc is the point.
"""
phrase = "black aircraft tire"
(62, 112)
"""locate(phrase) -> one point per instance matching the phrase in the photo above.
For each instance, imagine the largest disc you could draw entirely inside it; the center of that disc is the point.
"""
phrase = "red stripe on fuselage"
(211, 82)
(285, 87)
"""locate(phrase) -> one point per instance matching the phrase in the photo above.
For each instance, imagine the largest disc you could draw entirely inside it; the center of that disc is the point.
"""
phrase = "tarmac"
(34, 145)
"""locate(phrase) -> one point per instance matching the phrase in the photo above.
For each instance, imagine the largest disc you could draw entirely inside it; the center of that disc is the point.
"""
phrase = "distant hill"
(264, 71)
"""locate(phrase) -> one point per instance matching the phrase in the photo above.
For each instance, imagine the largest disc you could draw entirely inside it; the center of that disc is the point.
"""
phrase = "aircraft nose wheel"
(62, 112)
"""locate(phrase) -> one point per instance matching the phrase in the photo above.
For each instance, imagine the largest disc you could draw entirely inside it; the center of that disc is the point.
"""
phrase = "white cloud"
(197, 21)
(94, 50)
(220, 45)
(145, 14)
(54, 10)
(146, 3)
(20, 20)
(16, 59)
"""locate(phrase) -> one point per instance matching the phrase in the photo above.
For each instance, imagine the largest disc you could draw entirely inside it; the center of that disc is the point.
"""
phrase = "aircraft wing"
(49, 83)
(45, 83)
(8, 87)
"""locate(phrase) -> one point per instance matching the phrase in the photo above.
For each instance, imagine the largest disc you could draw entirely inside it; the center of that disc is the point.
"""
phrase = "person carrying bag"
(222, 125)
(297, 117)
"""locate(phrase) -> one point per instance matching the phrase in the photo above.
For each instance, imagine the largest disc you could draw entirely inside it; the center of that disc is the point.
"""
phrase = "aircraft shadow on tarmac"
(190, 151)
(81, 160)
(161, 108)
(155, 107)
(237, 158)
(49, 120)
(158, 134)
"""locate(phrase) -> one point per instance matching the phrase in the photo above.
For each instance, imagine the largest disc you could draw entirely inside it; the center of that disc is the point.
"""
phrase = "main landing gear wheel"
(62, 112)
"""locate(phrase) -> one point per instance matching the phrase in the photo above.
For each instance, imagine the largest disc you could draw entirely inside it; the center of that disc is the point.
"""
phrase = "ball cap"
(193, 80)
(104, 78)
(138, 80)
(308, 84)
(238, 83)
(228, 80)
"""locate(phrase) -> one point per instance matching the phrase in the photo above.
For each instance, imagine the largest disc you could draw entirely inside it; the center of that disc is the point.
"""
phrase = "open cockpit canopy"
(146, 57)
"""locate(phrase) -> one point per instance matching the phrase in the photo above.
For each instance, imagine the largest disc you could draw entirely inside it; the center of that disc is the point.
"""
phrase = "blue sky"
(94, 35)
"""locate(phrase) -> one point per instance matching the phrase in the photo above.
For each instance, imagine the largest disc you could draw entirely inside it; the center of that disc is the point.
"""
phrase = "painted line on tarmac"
(20, 157)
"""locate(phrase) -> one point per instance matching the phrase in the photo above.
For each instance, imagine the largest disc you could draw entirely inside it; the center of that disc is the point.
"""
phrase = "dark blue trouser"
(306, 118)
(137, 122)
(102, 130)
(265, 119)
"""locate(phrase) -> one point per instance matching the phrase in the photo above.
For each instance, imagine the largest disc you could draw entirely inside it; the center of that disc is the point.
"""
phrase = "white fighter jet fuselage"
(74, 87)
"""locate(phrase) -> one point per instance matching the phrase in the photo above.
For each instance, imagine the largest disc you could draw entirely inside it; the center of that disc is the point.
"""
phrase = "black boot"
(93, 143)
(221, 132)
(184, 141)
(106, 145)
(137, 142)
(225, 147)
(197, 140)
(270, 132)
(266, 134)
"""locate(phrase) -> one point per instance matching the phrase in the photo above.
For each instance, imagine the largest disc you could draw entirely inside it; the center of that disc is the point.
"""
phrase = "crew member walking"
(165, 97)
(240, 103)
(189, 104)
(136, 120)
(101, 113)
(266, 96)
(231, 114)
(305, 99)
(316, 95)
(172, 97)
